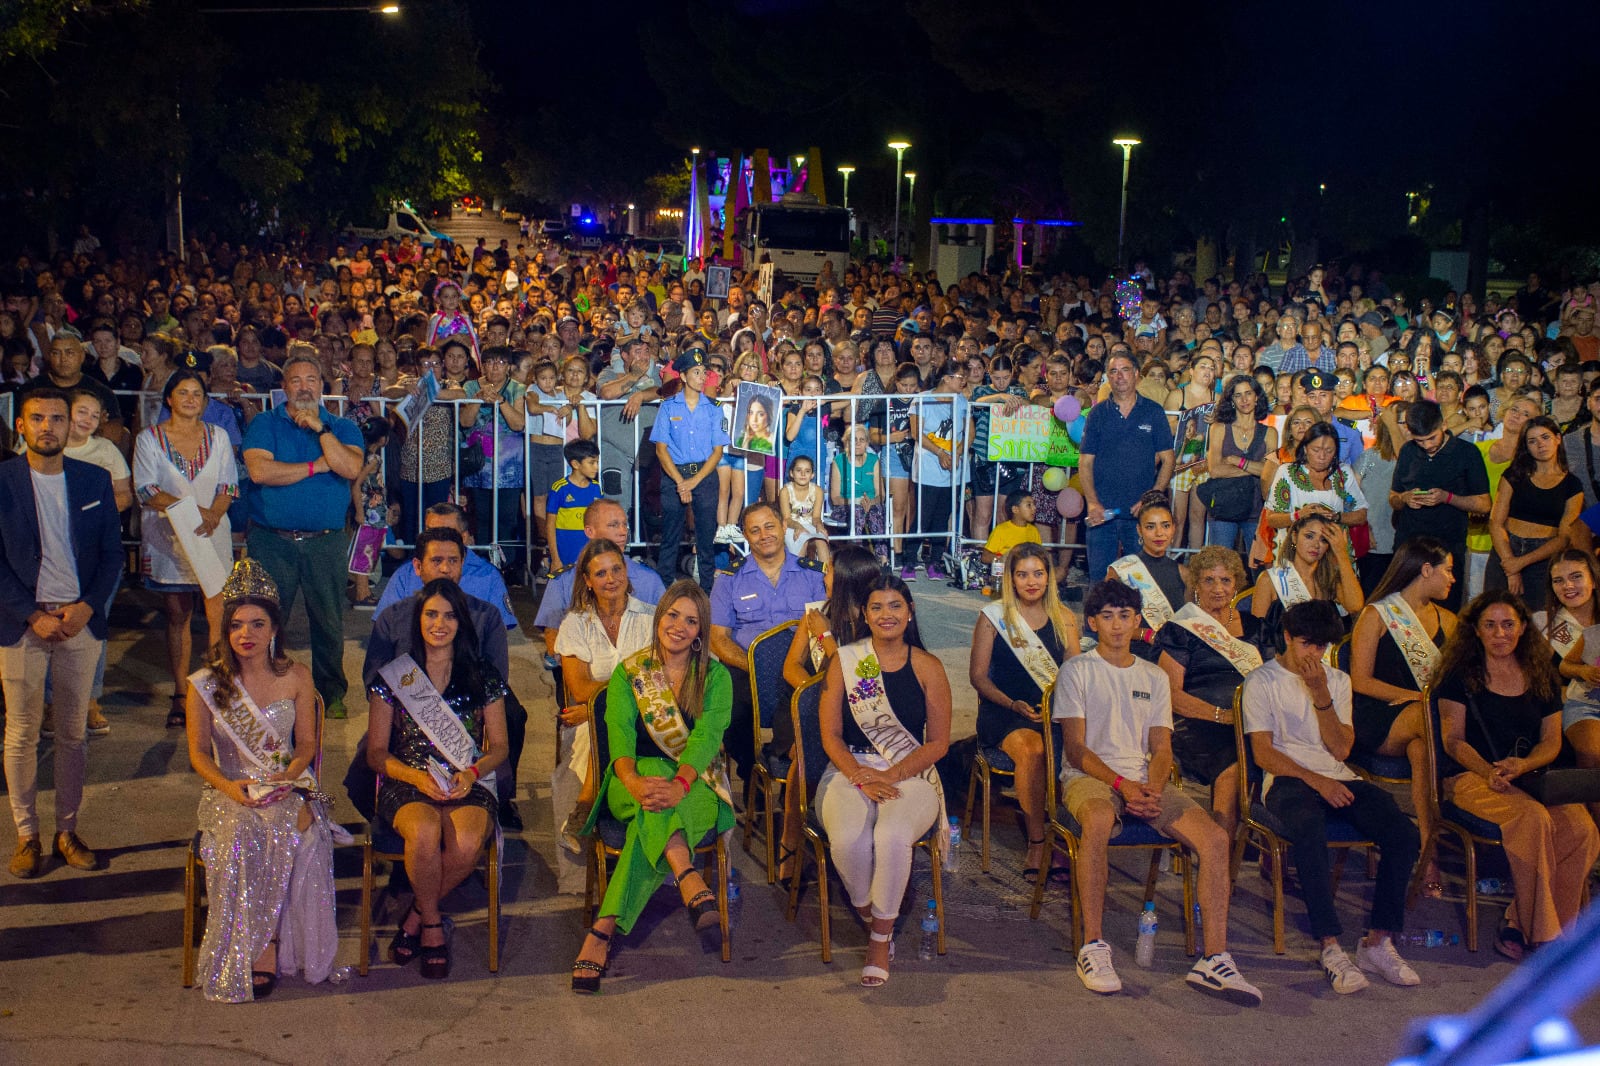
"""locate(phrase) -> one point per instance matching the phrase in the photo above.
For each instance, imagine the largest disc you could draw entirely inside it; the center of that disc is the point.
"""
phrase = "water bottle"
(1144, 952)
(733, 886)
(341, 975)
(1432, 938)
(929, 945)
(997, 570)
(1493, 886)
(1197, 918)
(952, 858)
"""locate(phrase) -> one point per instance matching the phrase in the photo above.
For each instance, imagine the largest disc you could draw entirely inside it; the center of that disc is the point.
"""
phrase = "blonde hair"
(1061, 619)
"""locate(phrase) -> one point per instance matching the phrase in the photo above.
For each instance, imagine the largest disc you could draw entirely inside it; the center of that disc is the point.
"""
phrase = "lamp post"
(847, 171)
(1126, 144)
(899, 163)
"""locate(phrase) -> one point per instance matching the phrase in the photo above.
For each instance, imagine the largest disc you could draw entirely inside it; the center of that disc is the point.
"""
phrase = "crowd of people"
(1354, 463)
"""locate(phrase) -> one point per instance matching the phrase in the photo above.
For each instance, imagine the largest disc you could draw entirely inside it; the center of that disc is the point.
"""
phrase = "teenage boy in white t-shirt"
(1116, 731)
(1297, 718)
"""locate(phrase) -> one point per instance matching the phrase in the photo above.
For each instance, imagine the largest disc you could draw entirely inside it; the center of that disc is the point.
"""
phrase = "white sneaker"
(722, 535)
(1095, 969)
(1342, 973)
(1216, 974)
(1383, 960)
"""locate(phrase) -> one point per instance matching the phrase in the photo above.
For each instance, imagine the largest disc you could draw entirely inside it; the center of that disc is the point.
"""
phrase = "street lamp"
(847, 171)
(1126, 144)
(899, 162)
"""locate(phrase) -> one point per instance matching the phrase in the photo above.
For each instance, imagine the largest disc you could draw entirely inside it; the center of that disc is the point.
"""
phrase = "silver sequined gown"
(264, 878)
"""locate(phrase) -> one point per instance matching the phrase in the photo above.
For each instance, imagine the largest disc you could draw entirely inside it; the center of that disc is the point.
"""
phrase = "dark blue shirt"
(318, 502)
(1125, 450)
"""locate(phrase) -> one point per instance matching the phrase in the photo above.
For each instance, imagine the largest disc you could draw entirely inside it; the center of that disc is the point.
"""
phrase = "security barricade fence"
(628, 464)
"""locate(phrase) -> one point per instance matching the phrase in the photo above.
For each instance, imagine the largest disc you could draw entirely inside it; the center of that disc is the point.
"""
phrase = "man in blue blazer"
(60, 554)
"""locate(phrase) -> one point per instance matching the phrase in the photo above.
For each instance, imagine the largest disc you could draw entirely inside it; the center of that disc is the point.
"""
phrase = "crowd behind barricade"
(1272, 501)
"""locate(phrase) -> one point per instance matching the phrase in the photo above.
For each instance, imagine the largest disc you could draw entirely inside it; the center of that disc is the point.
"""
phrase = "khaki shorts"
(1084, 790)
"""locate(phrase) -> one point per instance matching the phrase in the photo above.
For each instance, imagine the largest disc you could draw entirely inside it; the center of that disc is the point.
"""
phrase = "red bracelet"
(311, 468)
(476, 775)
(1449, 497)
(678, 777)
(1116, 786)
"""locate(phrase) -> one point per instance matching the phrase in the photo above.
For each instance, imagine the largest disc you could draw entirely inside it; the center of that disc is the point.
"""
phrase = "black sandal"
(589, 983)
(175, 717)
(405, 946)
(1031, 872)
(435, 957)
(262, 982)
(703, 910)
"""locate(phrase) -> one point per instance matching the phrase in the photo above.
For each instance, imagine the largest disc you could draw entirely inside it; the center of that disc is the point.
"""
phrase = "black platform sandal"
(587, 981)
(405, 946)
(703, 911)
(262, 982)
(435, 957)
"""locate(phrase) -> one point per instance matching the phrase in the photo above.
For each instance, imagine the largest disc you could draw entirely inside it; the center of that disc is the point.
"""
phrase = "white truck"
(797, 234)
(402, 222)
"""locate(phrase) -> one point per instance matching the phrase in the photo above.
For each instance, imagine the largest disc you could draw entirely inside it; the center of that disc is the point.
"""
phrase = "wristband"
(678, 777)
(311, 468)
(475, 773)
(1449, 497)
(1116, 786)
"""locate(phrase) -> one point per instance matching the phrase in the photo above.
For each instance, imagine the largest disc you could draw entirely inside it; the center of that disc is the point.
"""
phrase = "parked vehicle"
(798, 234)
(402, 221)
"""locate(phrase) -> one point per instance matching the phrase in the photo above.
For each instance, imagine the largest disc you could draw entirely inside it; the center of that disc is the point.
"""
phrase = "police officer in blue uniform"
(768, 587)
(689, 439)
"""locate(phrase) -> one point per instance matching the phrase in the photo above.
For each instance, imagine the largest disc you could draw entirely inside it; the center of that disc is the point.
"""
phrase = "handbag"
(1228, 499)
(1361, 540)
(1550, 785)
(471, 457)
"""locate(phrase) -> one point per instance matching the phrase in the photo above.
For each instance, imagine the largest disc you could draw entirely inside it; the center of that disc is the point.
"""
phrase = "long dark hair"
(1463, 655)
(224, 665)
(1523, 464)
(1226, 413)
(892, 583)
(855, 568)
(1408, 561)
(466, 665)
(178, 377)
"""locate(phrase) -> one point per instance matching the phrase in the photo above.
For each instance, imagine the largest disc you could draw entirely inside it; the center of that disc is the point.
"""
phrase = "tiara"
(249, 578)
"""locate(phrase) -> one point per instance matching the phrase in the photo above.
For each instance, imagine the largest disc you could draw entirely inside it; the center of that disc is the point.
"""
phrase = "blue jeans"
(1108, 542)
(1225, 533)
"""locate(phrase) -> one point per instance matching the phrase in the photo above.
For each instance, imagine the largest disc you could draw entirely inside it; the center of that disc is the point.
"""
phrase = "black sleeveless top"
(905, 697)
(1008, 673)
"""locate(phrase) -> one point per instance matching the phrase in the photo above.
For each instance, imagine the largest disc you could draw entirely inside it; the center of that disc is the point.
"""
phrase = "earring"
(695, 646)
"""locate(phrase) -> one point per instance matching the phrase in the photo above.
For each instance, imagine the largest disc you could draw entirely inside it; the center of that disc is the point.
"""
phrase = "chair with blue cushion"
(811, 760)
(1468, 829)
(768, 696)
(1243, 600)
(1063, 832)
(610, 834)
(1379, 769)
(986, 762)
(1260, 827)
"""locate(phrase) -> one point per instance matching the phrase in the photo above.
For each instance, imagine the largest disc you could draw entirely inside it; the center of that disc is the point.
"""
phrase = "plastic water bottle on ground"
(929, 945)
(733, 885)
(1144, 952)
(1494, 886)
(1197, 918)
(1432, 938)
(952, 858)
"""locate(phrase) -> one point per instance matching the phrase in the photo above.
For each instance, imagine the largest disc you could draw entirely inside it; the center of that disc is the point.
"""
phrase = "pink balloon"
(1069, 503)
(1068, 408)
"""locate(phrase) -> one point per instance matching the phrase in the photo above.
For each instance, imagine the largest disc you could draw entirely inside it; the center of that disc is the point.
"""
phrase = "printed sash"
(410, 685)
(1131, 571)
(869, 706)
(1242, 656)
(244, 724)
(1420, 652)
(1562, 631)
(818, 655)
(1290, 586)
(1032, 654)
(652, 692)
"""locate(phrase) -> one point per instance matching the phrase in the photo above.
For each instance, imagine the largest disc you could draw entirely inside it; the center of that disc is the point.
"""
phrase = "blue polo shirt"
(318, 502)
(479, 578)
(743, 600)
(1125, 450)
(557, 601)
(689, 435)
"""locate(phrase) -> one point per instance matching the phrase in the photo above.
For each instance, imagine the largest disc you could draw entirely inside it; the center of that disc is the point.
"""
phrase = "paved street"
(89, 963)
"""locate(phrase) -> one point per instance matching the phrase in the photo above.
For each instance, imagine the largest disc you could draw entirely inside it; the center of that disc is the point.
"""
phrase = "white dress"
(157, 466)
(265, 879)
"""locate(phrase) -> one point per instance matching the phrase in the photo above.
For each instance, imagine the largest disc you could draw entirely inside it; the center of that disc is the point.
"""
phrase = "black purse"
(1228, 499)
(1550, 785)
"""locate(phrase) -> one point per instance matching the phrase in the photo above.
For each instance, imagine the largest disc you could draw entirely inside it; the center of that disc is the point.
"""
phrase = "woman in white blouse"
(181, 459)
(605, 625)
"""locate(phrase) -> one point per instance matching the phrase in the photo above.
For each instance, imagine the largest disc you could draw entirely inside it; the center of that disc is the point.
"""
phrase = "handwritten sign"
(1020, 438)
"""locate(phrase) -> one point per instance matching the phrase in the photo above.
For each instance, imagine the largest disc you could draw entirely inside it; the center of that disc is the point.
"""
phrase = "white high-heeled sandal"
(877, 976)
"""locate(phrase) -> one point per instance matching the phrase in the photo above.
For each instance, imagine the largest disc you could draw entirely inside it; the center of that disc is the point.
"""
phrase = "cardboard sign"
(1020, 438)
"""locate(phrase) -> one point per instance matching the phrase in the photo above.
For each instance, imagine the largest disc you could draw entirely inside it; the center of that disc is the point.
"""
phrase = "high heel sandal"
(1030, 872)
(262, 982)
(702, 906)
(589, 983)
(435, 957)
(175, 716)
(405, 946)
(877, 976)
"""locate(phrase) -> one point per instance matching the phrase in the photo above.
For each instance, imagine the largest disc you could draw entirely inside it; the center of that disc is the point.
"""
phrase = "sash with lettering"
(652, 692)
(1131, 571)
(869, 706)
(1032, 654)
(1562, 631)
(409, 684)
(1291, 588)
(1242, 656)
(1420, 652)
(244, 724)
(818, 654)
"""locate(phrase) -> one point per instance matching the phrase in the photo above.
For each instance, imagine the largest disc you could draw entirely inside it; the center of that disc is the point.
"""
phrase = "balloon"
(1070, 503)
(1055, 479)
(1075, 429)
(1076, 482)
(1068, 408)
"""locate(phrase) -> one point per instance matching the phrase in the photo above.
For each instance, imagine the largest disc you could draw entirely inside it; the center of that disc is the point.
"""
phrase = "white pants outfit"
(872, 842)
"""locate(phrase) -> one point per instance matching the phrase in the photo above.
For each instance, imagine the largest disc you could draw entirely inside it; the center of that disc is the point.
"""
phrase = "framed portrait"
(755, 418)
(718, 280)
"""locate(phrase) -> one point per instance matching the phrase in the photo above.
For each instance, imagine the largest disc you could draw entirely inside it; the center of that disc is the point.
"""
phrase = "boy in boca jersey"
(568, 499)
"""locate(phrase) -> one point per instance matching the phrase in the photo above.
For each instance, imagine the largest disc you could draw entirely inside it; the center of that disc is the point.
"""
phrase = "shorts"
(1189, 478)
(1082, 790)
(982, 479)
(546, 466)
(897, 467)
(1575, 711)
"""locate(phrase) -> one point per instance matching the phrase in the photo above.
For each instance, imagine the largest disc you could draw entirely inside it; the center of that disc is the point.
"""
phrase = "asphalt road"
(89, 962)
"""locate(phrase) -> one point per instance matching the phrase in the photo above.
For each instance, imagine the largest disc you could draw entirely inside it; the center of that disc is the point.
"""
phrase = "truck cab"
(798, 234)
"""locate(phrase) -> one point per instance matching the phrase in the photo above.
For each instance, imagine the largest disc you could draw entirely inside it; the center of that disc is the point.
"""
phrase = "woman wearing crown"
(264, 831)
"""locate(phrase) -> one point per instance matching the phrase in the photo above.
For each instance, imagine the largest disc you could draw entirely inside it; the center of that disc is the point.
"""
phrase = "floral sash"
(869, 705)
(1131, 571)
(652, 692)
(1420, 652)
(1242, 656)
(1031, 653)
(244, 724)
